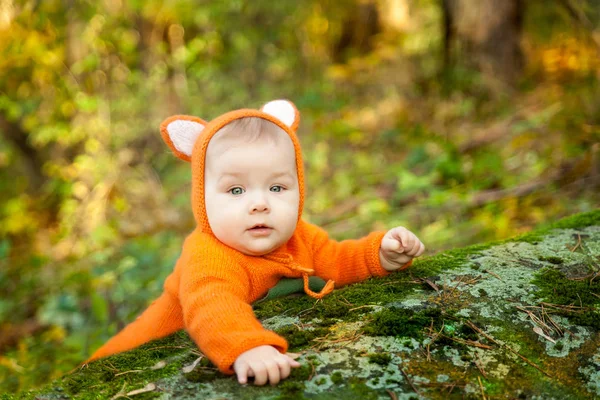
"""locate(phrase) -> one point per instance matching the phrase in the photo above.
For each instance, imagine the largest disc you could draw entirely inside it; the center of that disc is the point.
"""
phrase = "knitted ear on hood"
(180, 133)
(188, 138)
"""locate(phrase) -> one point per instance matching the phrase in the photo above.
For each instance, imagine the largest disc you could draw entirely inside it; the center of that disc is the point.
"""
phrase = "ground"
(515, 319)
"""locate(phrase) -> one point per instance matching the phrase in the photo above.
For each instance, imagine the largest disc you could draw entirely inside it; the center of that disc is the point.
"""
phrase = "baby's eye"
(236, 191)
(276, 188)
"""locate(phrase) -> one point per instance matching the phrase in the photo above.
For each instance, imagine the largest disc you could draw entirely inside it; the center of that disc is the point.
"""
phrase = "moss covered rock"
(516, 319)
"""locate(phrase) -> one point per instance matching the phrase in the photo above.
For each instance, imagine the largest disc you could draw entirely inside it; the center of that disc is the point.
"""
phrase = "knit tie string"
(324, 292)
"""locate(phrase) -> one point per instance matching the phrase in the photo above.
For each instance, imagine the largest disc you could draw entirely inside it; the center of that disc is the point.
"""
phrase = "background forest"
(464, 120)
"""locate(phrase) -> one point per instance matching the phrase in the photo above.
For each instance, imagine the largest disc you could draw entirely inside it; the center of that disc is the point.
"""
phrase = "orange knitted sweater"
(211, 290)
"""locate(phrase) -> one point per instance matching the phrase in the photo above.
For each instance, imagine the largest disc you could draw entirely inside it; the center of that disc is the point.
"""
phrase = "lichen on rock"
(516, 319)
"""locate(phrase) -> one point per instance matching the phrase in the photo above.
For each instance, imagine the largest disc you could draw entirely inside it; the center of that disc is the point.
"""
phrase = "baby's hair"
(249, 130)
(246, 131)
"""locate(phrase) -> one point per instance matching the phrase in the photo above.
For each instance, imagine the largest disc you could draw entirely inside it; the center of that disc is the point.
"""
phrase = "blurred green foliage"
(94, 208)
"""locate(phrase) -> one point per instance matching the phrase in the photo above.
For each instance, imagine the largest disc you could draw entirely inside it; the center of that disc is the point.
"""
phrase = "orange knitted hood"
(188, 138)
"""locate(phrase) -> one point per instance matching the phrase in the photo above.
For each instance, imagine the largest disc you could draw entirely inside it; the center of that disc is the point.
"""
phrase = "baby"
(247, 199)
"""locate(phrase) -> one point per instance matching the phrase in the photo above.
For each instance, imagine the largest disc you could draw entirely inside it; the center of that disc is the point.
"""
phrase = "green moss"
(380, 358)
(200, 375)
(205, 362)
(590, 318)
(552, 260)
(373, 291)
(337, 378)
(299, 338)
(449, 329)
(360, 390)
(400, 322)
(301, 373)
(291, 390)
(467, 333)
(335, 310)
(559, 346)
(577, 221)
(105, 378)
(555, 287)
(492, 387)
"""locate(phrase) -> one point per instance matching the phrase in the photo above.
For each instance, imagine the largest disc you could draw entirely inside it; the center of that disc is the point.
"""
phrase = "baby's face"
(251, 194)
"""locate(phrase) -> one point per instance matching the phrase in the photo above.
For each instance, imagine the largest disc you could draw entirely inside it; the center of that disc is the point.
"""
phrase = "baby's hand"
(265, 364)
(399, 246)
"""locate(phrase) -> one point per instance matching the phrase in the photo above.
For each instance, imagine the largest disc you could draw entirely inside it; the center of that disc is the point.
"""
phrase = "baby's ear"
(285, 111)
(180, 133)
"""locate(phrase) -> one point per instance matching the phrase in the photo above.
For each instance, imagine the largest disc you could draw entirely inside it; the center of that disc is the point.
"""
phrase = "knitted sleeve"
(345, 262)
(216, 312)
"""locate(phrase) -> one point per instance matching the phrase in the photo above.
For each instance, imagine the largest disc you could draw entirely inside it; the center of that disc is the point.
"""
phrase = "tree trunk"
(357, 35)
(31, 158)
(488, 32)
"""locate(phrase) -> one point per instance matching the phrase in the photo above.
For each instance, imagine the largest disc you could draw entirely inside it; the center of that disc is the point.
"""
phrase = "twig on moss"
(320, 342)
(592, 275)
(410, 382)
(457, 285)
(479, 365)
(433, 338)
(495, 275)
(469, 342)
(450, 385)
(474, 327)
(392, 394)
(324, 341)
(537, 321)
(366, 305)
(474, 280)
(567, 308)
(120, 393)
(129, 372)
(578, 243)
(168, 347)
(452, 388)
(301, 313)
(446, 294)
(312, 371)
(560, 330)
(148, 388)
(345, 301)
(481, 386)
(433, 285)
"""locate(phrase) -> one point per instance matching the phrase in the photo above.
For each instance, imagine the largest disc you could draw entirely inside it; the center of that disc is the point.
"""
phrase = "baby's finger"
(408, 239)
(284, 366)
(273, 371)
(242, 373)
(396, 232)
(294, 363)
(415, 249)
(260, 373)
(391, 244)
(421, 249)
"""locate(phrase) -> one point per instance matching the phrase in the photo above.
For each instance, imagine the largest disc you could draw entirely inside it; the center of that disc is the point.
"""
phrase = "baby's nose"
(260, 208)
(259, 204)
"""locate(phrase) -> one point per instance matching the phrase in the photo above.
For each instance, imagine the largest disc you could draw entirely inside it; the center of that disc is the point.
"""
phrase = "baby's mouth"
(260, 230)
